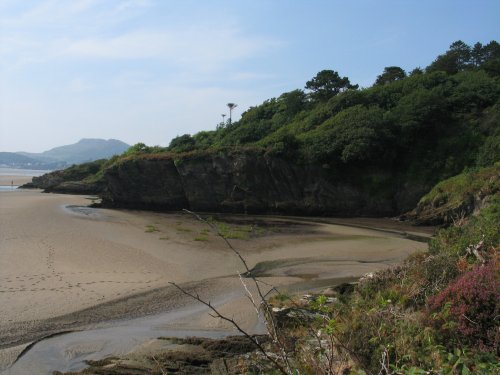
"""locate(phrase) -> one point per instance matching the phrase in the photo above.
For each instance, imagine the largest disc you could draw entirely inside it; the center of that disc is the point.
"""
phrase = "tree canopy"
(327, 84)
(461, 56)
(390, 74)
(429, 124)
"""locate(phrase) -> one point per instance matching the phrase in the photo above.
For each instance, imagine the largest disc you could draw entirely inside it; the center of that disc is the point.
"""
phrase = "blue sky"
(148, 70)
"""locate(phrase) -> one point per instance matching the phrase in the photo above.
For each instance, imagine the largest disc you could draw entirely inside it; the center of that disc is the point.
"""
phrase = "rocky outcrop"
(46, 181)
(150, 183)
(244, 181)
(73, 180)
(77, 179)
(76, 187)
(457, 197)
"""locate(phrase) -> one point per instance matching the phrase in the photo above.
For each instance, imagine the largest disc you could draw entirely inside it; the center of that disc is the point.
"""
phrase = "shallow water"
(8, 187)
(22, 172)
(68, 352)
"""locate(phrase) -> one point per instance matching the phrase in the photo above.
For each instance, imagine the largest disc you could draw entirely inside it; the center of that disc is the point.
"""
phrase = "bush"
(466, 311)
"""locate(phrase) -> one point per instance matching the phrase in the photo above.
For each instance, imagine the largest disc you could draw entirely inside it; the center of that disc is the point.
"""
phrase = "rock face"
(45, 181)
(240, 181)
(55, 182)
(457, 197)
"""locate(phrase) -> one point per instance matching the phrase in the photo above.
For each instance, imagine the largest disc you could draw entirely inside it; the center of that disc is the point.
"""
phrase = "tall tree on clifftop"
(390, 74)
(327, 84)
(456, 59)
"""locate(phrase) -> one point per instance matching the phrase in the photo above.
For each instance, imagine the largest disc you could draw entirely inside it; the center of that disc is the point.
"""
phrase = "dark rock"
(75, 187)
(457, 198)
(46, 181)
(145, 183)
(244, 181)
(344, 289)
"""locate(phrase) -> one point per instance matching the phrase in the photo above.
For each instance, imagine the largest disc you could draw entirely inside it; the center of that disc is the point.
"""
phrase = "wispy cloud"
(56, 29)
(96, 64)
(203, 46)
(49, 13)
(79, 85)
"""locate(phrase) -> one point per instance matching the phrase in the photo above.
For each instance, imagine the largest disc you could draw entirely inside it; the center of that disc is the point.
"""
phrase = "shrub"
(466, 311)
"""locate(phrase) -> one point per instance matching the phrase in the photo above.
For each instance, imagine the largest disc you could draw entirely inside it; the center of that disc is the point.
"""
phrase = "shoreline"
(93, 266)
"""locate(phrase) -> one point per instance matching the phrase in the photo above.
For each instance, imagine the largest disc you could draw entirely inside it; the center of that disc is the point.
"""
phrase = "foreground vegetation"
(437, 313)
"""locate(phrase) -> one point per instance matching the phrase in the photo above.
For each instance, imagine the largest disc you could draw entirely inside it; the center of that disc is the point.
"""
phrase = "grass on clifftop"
(455, 190)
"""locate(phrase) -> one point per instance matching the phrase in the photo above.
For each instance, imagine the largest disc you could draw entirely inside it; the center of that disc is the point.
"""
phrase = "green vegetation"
(457, 189)
(408, 313)
(437, 313)
(182, 229)
(201, 238)
(235, 232)
(406, 130)
(86, 171)
(426, 126)
(150, 228)
(458, 196)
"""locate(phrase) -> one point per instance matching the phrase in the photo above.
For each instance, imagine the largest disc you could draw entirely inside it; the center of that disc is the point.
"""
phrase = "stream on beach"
(69, 351)
(59, 256)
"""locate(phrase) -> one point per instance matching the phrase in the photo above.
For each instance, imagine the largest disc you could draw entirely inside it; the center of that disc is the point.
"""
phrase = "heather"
(437, 313)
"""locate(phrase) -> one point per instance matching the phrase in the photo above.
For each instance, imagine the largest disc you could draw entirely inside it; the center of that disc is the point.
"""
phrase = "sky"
(150, 70)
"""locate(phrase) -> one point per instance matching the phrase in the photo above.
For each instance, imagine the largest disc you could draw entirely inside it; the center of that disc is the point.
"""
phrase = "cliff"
(247, 181)
(78, 179)
(457, 197)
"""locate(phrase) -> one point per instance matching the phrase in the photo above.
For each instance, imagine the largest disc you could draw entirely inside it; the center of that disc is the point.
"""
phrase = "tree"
(416, 71)
(491, 58)
(141, 148)
(390, 74)
(182, 143)
(327, 84)
(477, 55)
(231, 106)
(456, 59)
(292, 102)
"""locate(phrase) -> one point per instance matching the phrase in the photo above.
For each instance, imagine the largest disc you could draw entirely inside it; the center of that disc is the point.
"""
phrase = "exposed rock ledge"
(249, 181)
(457, 197)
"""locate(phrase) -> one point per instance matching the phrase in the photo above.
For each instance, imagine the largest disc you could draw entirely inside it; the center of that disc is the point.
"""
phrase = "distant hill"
(16, 160)
(87, 149)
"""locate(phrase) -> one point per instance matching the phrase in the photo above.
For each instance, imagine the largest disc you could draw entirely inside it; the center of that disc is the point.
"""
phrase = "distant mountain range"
(85, 150)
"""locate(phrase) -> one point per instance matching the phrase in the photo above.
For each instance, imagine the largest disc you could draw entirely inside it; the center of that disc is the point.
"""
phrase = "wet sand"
(16, 180)
(64, 267)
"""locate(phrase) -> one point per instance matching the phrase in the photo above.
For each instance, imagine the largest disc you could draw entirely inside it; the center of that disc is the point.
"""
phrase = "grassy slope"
(457, 196)
(437, 313)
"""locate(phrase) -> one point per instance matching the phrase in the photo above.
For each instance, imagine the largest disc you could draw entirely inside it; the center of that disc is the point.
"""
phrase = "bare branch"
(269, 317)
(235, 324)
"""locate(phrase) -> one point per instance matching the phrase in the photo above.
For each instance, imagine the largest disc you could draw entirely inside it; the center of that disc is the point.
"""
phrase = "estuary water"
(22, 172)
(12, 178)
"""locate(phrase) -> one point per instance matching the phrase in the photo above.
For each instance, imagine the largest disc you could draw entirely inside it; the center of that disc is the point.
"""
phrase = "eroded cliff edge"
(250, 181)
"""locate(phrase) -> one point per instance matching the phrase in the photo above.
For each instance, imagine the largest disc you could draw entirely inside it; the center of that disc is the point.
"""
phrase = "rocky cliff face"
(55, 182)
(242, 181)
(457, 197)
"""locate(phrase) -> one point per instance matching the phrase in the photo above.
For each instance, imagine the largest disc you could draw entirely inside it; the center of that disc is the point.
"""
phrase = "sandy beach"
(16, 180)
(64, 266)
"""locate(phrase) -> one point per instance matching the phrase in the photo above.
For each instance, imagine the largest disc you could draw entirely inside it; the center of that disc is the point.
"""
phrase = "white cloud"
(48, 13)
(93, 68)
(79, 85)
(126, 5)
(205, 47)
